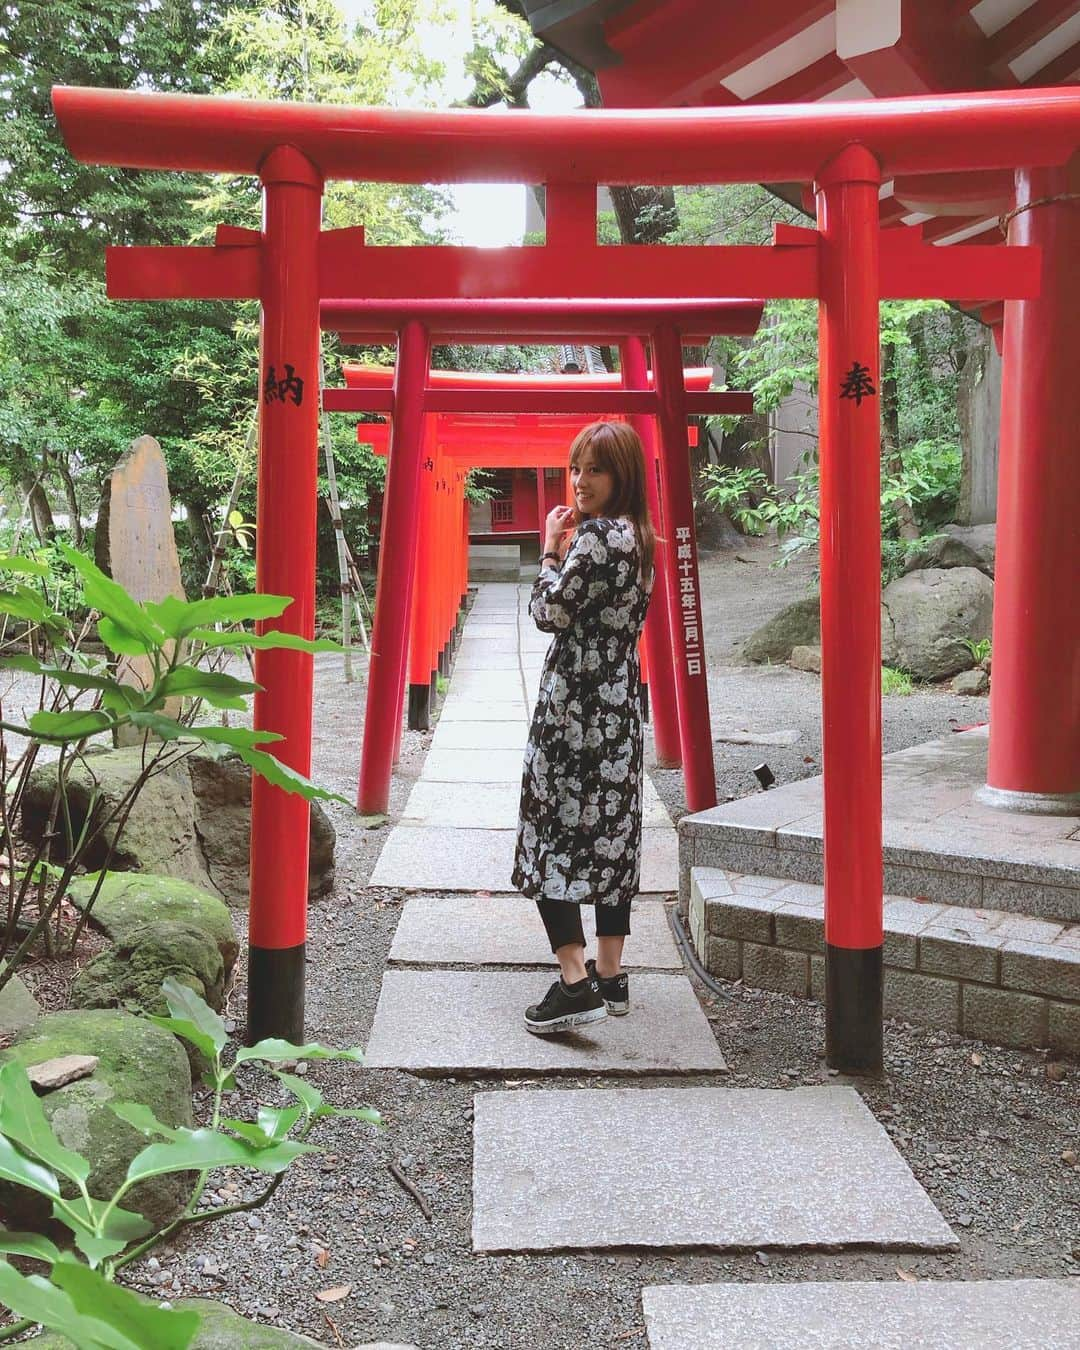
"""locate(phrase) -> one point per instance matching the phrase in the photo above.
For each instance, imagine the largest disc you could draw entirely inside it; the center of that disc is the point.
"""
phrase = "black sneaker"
(564, 1007)
(615, 991)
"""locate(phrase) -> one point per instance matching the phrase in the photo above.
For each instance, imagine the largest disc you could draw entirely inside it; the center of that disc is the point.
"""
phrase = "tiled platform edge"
(999, 977)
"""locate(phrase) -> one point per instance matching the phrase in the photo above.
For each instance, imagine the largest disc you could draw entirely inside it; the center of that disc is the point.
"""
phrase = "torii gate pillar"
(285, 565)
(1034, 760)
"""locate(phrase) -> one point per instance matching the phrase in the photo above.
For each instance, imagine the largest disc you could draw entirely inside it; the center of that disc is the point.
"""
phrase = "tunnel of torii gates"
(848, 263)
(456, 441)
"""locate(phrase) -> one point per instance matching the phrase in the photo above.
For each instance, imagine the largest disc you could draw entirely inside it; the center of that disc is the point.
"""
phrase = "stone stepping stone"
(472, 766)
(854, 1314)
(482, 806)
(726, 1168)
(482, 684)
(428, 858)
(498, 660)
(470, 1022)
(502, 930)
(458, 708)
(481, 736)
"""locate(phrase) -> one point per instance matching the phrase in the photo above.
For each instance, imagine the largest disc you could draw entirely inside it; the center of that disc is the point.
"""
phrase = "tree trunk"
(74, 511)
(40, 511)
(890, 439)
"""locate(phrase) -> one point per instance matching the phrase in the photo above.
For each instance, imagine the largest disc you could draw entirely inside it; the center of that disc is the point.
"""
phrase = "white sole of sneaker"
(566, 1023)
(617, 1009)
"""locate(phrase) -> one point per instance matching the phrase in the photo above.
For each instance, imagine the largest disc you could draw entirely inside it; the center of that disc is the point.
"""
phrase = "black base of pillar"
(419, 707)
(275, 1004)
(645, 703)
(444, 662)
(853, 1042)
(433, 689)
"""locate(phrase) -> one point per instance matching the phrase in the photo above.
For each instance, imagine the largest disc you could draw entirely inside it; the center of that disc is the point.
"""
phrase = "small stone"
(1069, 1157)
(478, 1310)
(806, 658)
(1055, 1072)
(301, 1069)
(429, 1258)
(55, 1073)
(254, 1221)
(972, 683)
(964, 1220)
(761, 1258)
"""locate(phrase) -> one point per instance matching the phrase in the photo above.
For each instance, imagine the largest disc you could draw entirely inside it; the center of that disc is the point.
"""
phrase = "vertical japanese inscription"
(688, 599)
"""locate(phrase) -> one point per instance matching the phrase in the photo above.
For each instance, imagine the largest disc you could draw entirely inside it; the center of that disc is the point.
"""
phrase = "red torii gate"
(848, 263)
(543, 440)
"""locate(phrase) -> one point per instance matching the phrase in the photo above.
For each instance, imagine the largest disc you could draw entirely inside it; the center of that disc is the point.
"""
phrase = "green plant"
(981, 649)
(792, 514)
(79, 1298)
(165, 648)
(442, 684)
(896, 681)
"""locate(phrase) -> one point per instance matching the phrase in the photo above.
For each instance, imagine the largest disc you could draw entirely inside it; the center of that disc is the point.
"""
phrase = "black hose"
(686, 949)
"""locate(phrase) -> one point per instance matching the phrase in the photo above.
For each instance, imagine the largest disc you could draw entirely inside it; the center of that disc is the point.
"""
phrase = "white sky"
(488, 215)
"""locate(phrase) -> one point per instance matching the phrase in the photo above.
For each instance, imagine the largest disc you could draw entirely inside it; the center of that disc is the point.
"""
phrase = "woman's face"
(592, 486)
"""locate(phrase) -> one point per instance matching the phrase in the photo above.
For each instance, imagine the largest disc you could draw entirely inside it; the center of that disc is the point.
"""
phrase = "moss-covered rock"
(221, 1329)
(797, 625)
(159, 835)
(130, 900)
(138, 1062)
(130, 975)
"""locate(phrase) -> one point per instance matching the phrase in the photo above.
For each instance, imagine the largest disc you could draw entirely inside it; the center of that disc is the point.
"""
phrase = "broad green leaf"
(76, 679)
(185, 1003)
(247, 1131)
(276, 1121)
(366, 1113)
(265, 641)
(219, 690)
(179, 618)
(12, 562)
(203, 1150)
(239, 738)
(275, 1051)
(15, 1166)
(23, 1121)
(141, 1118)
(187, 1031)
(28, 1244)
(22, 603)
(112, 602)
(120, 641)
(140, 1322)
(122, 1224)
(36, 1299)
(96, 1249)
(286, 778)
(69, 726)
(307, 1094)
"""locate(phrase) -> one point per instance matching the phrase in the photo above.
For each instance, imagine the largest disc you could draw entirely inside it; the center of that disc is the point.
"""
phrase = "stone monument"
(136, 545)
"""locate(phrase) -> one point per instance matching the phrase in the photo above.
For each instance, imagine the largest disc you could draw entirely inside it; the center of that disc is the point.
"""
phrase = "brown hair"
(617, 449)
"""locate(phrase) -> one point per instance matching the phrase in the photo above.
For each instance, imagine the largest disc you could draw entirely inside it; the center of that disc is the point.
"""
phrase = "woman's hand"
(560, 521)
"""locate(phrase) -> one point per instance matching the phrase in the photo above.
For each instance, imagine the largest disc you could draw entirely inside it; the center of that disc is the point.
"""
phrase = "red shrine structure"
(848, 151)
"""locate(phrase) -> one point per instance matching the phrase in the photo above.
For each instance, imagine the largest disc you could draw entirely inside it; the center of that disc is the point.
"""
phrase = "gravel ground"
(983, 1129)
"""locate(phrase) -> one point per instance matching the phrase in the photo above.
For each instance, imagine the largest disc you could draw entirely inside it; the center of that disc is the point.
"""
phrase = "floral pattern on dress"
(579, 827)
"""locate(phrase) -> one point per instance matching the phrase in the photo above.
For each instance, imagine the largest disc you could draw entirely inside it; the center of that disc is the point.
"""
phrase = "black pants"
(562, 919)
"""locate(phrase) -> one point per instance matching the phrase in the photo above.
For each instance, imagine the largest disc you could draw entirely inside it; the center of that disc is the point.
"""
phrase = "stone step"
(424, 858)
(470, 1022)
(854, 1314)
(728, 1168)
(938, 839)
(505, 930)
(989, 974)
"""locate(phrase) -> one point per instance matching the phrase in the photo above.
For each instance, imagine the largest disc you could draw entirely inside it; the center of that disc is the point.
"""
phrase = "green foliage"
(82, 698)
(981, 649)
(896, 681)
(79, 1298)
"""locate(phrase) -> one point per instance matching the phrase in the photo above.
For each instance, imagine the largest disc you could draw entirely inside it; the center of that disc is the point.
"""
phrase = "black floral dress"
(579, 828)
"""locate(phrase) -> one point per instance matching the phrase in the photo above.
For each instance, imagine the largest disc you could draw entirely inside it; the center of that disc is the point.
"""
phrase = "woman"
(579, 832)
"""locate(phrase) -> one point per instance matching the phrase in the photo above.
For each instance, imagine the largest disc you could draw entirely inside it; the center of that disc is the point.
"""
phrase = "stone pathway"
(674, 1159)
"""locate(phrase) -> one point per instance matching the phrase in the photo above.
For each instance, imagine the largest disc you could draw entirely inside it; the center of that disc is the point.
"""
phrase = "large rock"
(980, 539)
(192, 821)
(926, 615)
(138, 1062)
(957, 546)
(159, 835)
(130, 900)
(797, 625)
(19, 1009)
(130, 975)
(222, 790)
(221, 1329)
